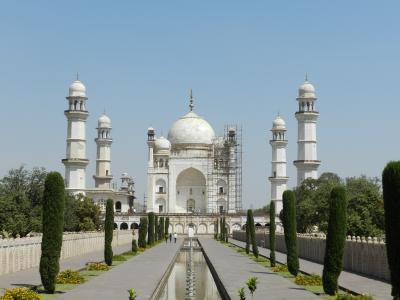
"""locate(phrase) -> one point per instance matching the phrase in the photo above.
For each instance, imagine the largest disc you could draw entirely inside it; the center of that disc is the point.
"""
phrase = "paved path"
(31, 277)
(347, 280)
(142, 272)
(234, 269)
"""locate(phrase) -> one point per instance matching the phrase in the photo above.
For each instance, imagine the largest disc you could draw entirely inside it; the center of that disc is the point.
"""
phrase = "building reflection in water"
(175, 288)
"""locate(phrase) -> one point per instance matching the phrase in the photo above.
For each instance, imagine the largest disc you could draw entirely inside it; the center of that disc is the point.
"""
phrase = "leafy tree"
(21, 196)
(108, 232)
(264, 211)
(289, 225)
(53, 222)
(272, 229)
(333, 261)
(391, 196)
(365, 204)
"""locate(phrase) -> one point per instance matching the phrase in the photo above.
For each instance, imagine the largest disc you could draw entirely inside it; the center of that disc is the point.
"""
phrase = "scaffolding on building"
(224, 172)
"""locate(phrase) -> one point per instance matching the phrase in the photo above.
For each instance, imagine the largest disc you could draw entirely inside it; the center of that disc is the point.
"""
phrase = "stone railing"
(362, 255)
(24, 253)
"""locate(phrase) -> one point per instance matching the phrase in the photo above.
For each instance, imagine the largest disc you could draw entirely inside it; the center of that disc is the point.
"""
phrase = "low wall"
(365, 256)
(24, 253)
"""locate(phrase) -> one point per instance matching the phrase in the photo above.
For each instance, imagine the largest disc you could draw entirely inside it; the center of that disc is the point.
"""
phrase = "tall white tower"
(75, 163)
(278, 177)
(307, 163)
(103, 176)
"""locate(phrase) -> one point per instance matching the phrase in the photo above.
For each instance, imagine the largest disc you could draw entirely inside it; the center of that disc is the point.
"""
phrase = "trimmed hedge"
(289, 225)
(335, 240)
(53, 226)
(143, 232)
(161, 229)
(166, 230)
(252, 231)
(150, 235)
(108, 232)
(391, 199)
(272, 229)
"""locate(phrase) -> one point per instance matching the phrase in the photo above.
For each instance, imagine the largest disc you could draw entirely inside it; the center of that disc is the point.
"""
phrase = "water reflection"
(175, 288)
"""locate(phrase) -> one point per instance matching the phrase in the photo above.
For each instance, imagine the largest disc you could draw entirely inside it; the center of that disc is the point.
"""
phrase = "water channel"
(190, 278)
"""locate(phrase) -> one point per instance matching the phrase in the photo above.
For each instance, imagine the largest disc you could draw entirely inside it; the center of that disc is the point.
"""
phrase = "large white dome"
(191, 129)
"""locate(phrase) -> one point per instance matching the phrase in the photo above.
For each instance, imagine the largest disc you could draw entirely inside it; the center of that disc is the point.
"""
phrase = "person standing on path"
(175, 236)
(170, 237)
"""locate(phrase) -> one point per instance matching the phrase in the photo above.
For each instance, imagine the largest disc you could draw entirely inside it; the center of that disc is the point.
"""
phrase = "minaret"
(103, 176)
(75, 163)
(278, 177)
(307, 163)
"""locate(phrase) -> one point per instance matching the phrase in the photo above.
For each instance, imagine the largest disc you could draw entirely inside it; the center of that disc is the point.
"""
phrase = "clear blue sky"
(243, 59)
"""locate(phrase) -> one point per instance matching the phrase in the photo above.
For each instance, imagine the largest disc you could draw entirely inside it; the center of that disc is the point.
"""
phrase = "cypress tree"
(220, 231)
(391, 199)
(166, 226)
(150, 235)
(252, 233)
(223, 230)
(156, 229)
(162, 226)
(53, 225)
(289, 225)
(248, 234)
(216, 229)
(143, 228)
(272, 228)
(226, 231)
(108, 232)
(335, 240)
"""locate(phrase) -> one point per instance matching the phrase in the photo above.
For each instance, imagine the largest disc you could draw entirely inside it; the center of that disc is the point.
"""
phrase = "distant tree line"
(365, 214)
(21, 199)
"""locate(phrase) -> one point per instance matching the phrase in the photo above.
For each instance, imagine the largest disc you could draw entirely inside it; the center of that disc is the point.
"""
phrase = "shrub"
(119, 258)
(96, 266)
(335, 240)
(272, 229)
(70, 277)
(312, 279)
(216, 230)
(280, 269)
(241, 294)
(142, 232)
(252, 229)
(132, 294)
(129, 253)
(108, 232)
(134, 246)
(252, 285)
(391, 199)
(289, 225)
(150, 235)
(53, 225)
(20, 294)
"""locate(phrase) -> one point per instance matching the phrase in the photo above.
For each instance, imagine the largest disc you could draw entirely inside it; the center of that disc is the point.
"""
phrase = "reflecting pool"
(190, 278)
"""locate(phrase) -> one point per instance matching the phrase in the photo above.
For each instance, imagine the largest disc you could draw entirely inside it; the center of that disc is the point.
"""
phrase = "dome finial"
(306, 76)
(191, 105)
(77, 75)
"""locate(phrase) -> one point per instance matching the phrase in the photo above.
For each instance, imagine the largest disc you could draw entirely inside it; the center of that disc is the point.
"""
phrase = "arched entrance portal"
(191, 191)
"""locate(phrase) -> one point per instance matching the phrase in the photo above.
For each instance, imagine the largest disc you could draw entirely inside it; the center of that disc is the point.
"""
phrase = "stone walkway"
(31, 277)
(142, 272)
(234, 269)
(354, 282)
